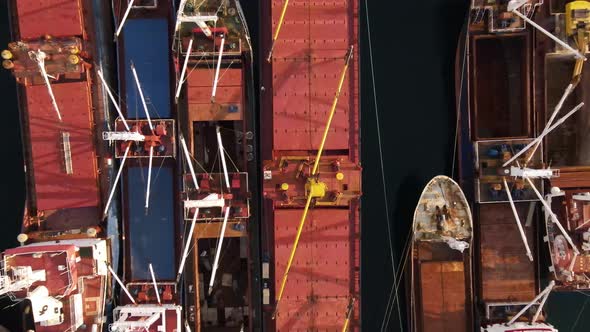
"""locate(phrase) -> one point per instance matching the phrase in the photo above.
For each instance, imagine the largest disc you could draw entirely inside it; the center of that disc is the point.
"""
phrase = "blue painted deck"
(146, 44)
(151, 237)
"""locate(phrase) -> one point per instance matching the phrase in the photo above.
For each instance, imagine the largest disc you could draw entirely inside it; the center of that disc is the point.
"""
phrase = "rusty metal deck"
(506, 272)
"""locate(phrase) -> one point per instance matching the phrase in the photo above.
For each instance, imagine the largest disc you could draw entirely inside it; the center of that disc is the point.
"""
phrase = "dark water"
(414, 45)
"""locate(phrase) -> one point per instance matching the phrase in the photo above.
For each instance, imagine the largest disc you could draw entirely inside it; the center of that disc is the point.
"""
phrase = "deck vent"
(67, 151)
(146, 4)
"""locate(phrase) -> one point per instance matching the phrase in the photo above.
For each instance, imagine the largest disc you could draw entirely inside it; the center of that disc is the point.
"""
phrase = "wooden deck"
(506, 272)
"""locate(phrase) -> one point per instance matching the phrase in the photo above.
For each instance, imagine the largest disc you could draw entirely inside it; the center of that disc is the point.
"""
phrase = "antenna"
(129, 6)
(121, 284)
(219, 244)
(518, 223)
(217, 69)
(155, 284)
(39, 57)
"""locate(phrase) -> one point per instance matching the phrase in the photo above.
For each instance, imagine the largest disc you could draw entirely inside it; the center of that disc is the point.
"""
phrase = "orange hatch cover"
(56, 18)
(54, 187)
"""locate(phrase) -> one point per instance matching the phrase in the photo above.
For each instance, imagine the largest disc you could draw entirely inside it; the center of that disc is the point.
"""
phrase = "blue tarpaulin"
(146, 44)
(151, 236)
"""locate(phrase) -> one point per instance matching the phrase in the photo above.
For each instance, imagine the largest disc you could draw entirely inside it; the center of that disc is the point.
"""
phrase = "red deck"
(306, 67)
(57, 18)
(54, 188)
(316, 295)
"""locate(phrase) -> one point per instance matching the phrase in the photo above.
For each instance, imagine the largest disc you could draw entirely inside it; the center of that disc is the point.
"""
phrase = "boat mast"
(217, 69)
(121, 284)
(39, 57)
(189, 161)
(543, 134)
(183, 72)
(544, 294)
(514, 5)
(517, 219)
(155, 284)
(147, 114)
(316, 188)
(127, 11)
(110, 93)
(106, 208)
(222, 155)
(218, 251)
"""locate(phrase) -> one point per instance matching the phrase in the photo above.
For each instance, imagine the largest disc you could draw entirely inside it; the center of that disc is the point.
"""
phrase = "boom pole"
(278, 30)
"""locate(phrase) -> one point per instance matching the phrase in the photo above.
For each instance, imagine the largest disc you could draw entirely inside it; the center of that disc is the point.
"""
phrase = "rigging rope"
(387, 218)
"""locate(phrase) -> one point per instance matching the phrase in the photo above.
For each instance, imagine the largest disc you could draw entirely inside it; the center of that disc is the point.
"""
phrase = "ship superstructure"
(311, 173)
(61, 263)
(216, 115)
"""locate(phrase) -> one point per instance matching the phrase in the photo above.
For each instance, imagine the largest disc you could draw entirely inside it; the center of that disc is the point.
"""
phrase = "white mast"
(181, 80)
(518, 223)
(187, 245)
(543, 134)
(129, 6)
(149, 179)
(556, 110)
(147, 114)
(106, 208)
(189, 161)
(155, 284)
(39, 57)
(514, 5)
(218, 68)
(544, 293)
(104, 83)
(121, 284)
(222, 154)
(219, 244)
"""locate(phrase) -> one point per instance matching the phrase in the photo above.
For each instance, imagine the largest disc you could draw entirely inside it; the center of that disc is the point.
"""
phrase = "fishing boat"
(60, 267)
(505, 129)
(144, 141)
(441, 266)
(219, 266)
(309, 137)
